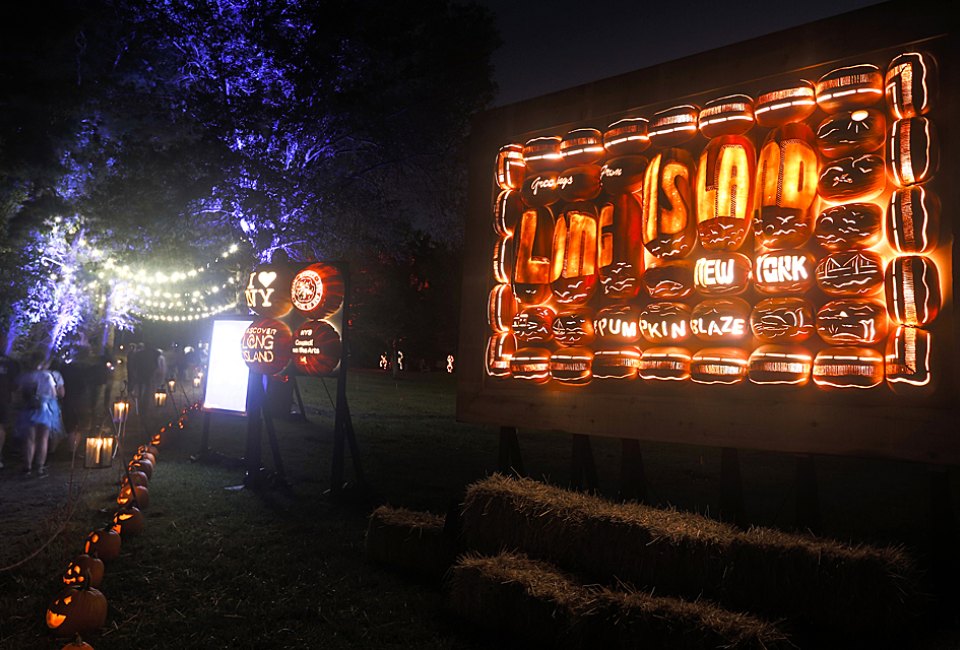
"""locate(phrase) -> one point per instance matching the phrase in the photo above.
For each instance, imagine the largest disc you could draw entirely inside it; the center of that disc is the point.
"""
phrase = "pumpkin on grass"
(129, 519)
(84, 567)
(77, 610)
(103, 543)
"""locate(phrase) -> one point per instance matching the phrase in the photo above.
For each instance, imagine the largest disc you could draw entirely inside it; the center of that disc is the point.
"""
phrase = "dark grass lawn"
(217, 568)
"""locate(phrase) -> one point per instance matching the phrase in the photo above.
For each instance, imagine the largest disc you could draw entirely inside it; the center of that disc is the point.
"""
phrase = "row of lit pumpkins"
(80, 607)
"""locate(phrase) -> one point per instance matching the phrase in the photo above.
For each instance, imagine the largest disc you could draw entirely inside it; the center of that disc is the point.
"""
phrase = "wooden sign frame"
(872, 423)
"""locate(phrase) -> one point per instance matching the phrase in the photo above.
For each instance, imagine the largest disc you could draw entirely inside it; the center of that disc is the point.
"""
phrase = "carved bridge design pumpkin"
(786, 234)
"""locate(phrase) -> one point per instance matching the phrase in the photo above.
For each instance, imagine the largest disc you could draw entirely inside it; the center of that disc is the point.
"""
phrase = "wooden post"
(633, 480)
(731, 488)
(583, 474)
(510, 460)
(808, 500)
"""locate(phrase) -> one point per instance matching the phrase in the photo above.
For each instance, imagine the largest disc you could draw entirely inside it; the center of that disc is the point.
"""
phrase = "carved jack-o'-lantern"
(627, 136)
(852, 179)
(531, 364)
(780, 364)
(572, 365)
(620, 255)
(912, 288)
(720, 319)
(623, 174)
(786, 187)
(265, 346)
(573, 274)
(850, 321)
(534, 249)
(848, 367)
(103, 543)
(782, 320)
(501, 308)
(130, 521)
(616, 363)
(850, 273)
(317, 290)
(665, 322)
(534, 324)
(77, 610)
(84, 569)
(506, 212)
(135, 477)
(317, 348)
(913, 220)
(851, 133)
(617, 324)
(669, 280)
(582, 147)
(913, 151)
(852, 225)
(504, 258)
(722, 274)
(669, 219)
(719, 366)
(540, 154)
(908, 359)
(791, 103)
(142, 466)
(580, 183)
(729, 115)
(665, 364)
(136, 495)
(725, 192)
(540, 189)
(911, 84)
(674, 126)
(510, 167)
(849, 88)
(783, 272)
(500, 349)
(268, 290)
(574, 327)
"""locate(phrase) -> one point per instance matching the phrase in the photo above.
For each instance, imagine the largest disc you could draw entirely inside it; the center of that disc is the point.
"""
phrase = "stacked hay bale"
(411, 542)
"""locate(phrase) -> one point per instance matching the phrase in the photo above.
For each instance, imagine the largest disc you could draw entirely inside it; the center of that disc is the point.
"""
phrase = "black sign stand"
(343, 434)
(259, 415)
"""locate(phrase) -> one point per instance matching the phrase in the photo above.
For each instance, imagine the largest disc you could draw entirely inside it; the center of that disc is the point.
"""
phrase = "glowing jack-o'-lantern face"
(83, 570)
(912, 288)
(720, 319)
(573, 275)
(911, 84)
(665, 322)
(908, 359)
(265, 346)
(913, 151)
(669, 222)
(77, 610)
(722, 274)
(782, 320)
(138, 495)
(534, 247)
(104, 544)
(725, 192)
(620, 256)
(316, 348)
(780, 364)
(130, 520)
(786, 187)
(317, 290)
(267, 291)
(913, 220)
(852, 322)
(852, 225)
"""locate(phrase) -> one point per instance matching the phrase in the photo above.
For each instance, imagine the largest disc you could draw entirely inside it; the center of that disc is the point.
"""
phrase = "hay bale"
(532, 601)
(410, 542)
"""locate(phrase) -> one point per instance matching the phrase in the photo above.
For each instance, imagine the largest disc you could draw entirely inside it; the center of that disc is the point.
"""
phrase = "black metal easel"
(343, 434)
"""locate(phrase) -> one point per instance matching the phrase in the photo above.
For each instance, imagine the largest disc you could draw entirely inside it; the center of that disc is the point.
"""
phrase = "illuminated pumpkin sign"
(669, 220)
(852, 225)
(913, 220)
(531, 276)
(265, 346)
(854, 132)
(780, 364)
(719, 366)
(665, 322)
(574, 327)
(791, 103)
(316, 348)
(852, 322)
(317, 291)
(908, 358)
(669, 280)
(725, 184)
(720, 319)
(782, 320)
(783, 272)
(786, 187)
(620, 256)
(619, 363)
(534, 324)
(722, 274)
(510, 167)
(850, 273)
(572, 365)
(617, 323)
(267, 291)
(630, 135)
(914, 151)
(573, 276)
(910, 84)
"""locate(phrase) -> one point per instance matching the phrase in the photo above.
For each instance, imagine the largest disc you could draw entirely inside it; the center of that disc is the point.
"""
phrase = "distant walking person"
(40, 415)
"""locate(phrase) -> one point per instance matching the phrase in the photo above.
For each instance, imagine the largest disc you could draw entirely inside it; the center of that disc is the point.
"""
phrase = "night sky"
(552, 46)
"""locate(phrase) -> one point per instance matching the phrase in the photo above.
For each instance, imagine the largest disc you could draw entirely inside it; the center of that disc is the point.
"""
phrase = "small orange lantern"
(669, 219)
(850, 321)
(913, 220)
(852, 225)
(850, 273)
(849, 88)
(782, 320)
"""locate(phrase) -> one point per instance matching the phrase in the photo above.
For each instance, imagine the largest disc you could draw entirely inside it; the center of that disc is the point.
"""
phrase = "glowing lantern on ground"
(77, 610)
(852, 132)
(852, 179)
(265, 346)
(542, 153)
(719, 366)
(160, 396)
(531, 364)
(782, 320)
(780, 364)
(848, 367)
(316, 348)
(267, 291)
(534, 324)
(783, 272)
(912, 287)
(914, 151)
(572, 365)
(510, 167)
(669, 280)
(534, 248)
(573, 274)
(98, 452)
(720, 319)
(665, 364)
(722, 274)
(791, 103)
(135, 495)
(579, 183)
(913, 220)
(850, 273)
(786, 187)
(501, 308)
(627, 136)
(725, 192)
(317, 290)
(84, 569)
(852, 322)
(911, 84)
(908, 359)
(130, 521)
(103, 543)
(669, 221)
(541, 189)
(852, 225)
(623, 174)
(582, 147)
(574, 327)
(506, 212)
(500, 349)
(616, 363)
(674, 126)
(665, 322)
(620, 256)
(729, 115)
(848, 88)
(617, 324)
